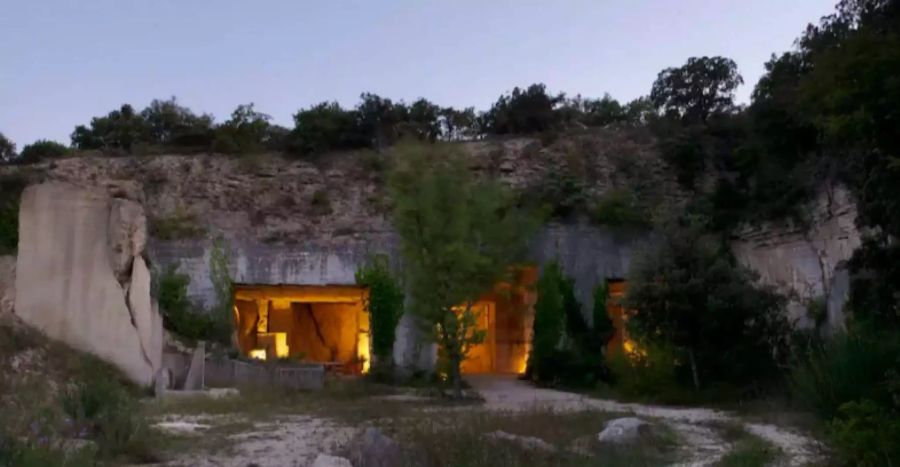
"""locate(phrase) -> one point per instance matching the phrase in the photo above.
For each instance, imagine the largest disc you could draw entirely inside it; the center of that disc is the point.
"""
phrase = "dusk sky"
(64, 61)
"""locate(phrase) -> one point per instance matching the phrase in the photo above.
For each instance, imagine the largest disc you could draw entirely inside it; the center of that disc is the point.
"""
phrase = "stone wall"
(807, 264)
(81, 276)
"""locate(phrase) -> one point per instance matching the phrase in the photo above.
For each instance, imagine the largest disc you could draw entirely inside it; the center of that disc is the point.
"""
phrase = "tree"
(384, 304)
(325, 127)
(458, 125)
(169, 123)
(120, 129)
(548, 325)
(42, 149)
(458, 236)
(689, 293)
(523, 111)
(246, 131)
(702, 87)
(7, 148)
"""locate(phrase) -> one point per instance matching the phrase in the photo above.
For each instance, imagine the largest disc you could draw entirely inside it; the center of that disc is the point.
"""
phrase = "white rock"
(624, 430)
(324, 460)
(66, 282)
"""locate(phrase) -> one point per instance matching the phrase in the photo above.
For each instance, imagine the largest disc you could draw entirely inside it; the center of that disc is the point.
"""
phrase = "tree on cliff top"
(7, 148)
(458, 237)
(700, 88)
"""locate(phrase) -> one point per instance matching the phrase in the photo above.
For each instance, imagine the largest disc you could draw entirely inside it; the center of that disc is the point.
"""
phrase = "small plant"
(320, 201)
(620, 208)
(384, 303)
(176, 226)
(649, 373)
(866, 434)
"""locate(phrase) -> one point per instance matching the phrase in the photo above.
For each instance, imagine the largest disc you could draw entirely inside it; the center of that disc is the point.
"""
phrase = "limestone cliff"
(807, 263)
(81, 276)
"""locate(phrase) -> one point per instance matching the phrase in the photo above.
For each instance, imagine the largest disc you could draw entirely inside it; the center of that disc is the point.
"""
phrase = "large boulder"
(81, 277)
(372, 448)
(624, 430)
(7, 284)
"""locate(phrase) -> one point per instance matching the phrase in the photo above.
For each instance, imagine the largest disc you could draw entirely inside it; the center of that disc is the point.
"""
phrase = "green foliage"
(522, 111)
(560, 195)
(179, 225)
(650, 373)
(875, 275)
(690, 294)
(11, 187)
(620, 208)
(182, 317)
(603, 329)
(42, 149)
(866, 433)
(220, 276)
(548, 325)
(7, 148)
(458, 237)
(847, 367)
(384, 304)
(248, 131)
(565, 349)
(702, 87)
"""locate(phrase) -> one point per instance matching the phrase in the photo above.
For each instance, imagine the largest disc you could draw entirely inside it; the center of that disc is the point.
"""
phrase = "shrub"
(42, 149)
(848, 367)
(648, 373)
(7, 148)
(320, 201)
(690, 293)
(11, 187)
(866, 434)
(549, 317)
(176, 226)
(620, 208)
(384, 304)
(182, 317)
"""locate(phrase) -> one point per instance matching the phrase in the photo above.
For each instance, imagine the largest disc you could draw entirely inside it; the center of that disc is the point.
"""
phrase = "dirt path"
(508, 393)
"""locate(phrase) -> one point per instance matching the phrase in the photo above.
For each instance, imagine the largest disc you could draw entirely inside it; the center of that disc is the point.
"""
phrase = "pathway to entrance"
(507, 393)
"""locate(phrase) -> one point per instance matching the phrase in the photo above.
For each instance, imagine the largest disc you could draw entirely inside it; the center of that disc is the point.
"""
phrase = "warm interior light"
(257, 354)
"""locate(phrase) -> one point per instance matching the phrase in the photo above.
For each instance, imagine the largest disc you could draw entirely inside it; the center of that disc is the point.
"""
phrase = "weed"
(176, 226)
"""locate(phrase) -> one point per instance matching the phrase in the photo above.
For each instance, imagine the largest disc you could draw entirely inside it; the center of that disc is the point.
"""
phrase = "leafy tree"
(7, 148)
(120, 129)
(385, 307)
(523, 111)
(325, 127)
(42, 149)
(549, 323)
(702, 87)
(378, 120)
(458, 236)
(690, 294)
(422, 120)
(246, 131)
(458, 125)
(169, 123)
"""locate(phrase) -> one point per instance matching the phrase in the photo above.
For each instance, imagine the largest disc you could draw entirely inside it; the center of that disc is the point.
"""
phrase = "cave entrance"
(619, 317)
(318, 324)
(506, 313)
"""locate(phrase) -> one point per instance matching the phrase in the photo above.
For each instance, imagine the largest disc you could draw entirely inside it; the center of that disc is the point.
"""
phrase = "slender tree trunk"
(456, 377)
(694, 372)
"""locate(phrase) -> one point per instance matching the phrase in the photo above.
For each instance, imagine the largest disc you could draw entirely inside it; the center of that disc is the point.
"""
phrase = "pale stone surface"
(127, 233)
(66, 285)
(372, 448)
(140, 304)
(623, 430)
(194, 380)
(806, 264)
(527, 442)
(7, 283)
(324, 460)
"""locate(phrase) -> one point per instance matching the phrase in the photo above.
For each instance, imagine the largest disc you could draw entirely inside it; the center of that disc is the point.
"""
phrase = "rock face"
(7, 284)
(371, 448)
(806, 264)
(624, 430)
(82, 279)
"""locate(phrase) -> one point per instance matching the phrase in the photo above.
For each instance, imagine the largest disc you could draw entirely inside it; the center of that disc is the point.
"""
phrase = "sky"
(65, 61)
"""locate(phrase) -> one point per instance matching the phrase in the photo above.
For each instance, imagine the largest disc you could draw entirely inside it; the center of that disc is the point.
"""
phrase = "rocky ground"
(514, 424)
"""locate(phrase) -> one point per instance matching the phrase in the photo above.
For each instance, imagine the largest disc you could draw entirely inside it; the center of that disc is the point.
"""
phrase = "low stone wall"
(236, 373)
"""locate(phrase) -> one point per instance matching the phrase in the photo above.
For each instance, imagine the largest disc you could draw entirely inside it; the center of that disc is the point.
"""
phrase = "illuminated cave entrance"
(317, 324)
(618, 316)
(507, 314)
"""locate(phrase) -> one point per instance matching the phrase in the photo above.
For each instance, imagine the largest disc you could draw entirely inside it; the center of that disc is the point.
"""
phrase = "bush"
(620, 208)
(42, 149)
(647, 373)
(181, 317)
(176, 226)
(848, 367)
(11, 187)
(384, 304)
(690, 293)
(549, 317)
(866, 433)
